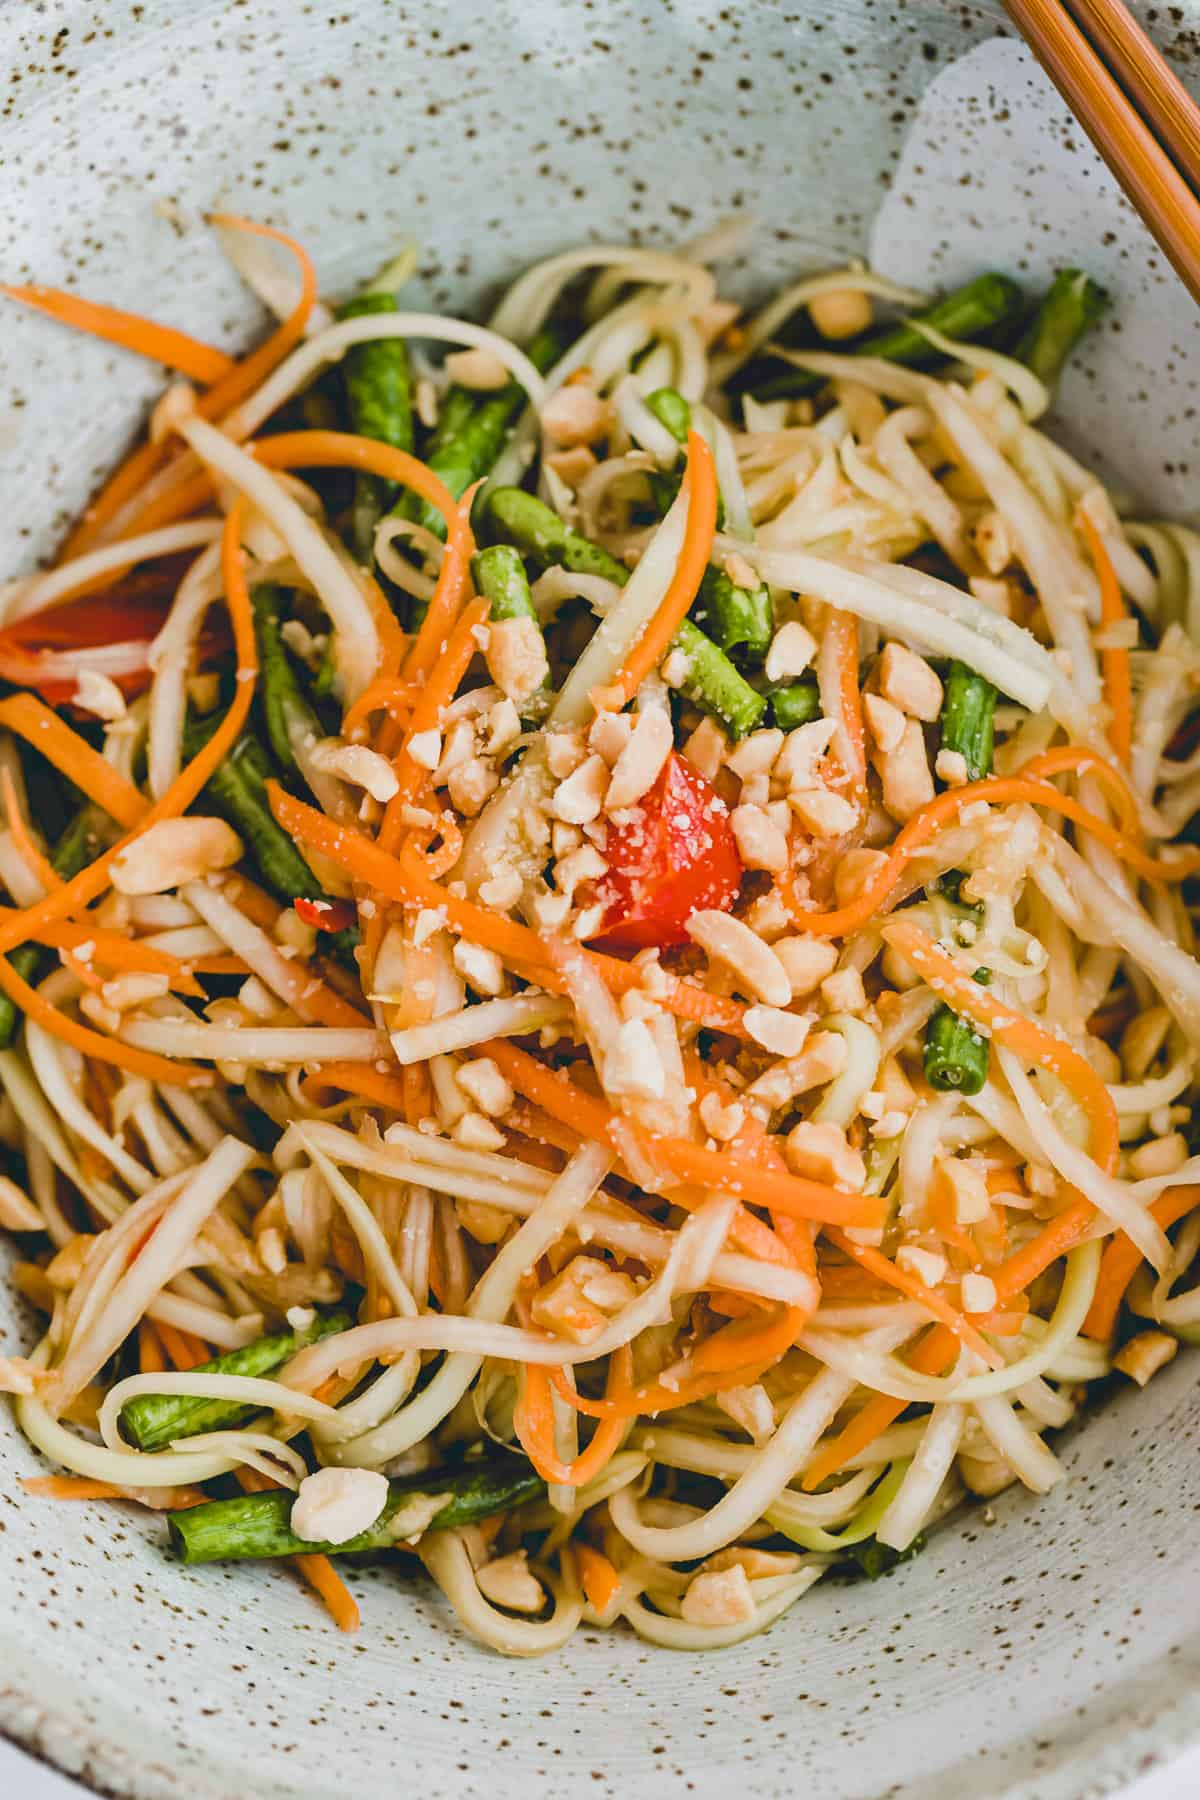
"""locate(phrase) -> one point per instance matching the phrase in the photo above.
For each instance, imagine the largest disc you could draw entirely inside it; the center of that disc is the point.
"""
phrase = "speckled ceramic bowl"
(1052, 1652)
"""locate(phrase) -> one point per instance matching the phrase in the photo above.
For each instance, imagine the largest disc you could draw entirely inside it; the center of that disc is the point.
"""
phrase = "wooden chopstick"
(1150, 179)
(1147, 78)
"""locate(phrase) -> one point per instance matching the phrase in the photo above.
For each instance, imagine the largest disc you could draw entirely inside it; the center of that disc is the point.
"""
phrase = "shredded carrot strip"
(753, 1339)
(1077, 760)
(73, 757)
(1118, 684)
(941, 811)
(16, 927)
(126, 481)
(1018, 1034)
(183, 1350)
(200, 362)
(442, 682)
(452, 582)
(533, 1422)
(70, 1487)
(844, 629)
(931, 1299)
(37, 864)
(401, 878)
(677, 1157)
(600, 1581)
(1122, 1259)
(93, 1043)
(151, 1358)
(325, 1581)
(385, 694)
(700, 482)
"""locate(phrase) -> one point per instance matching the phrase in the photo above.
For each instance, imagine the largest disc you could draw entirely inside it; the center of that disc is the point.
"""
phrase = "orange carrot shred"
(200, 362)
(73, 757)
(1114, 662)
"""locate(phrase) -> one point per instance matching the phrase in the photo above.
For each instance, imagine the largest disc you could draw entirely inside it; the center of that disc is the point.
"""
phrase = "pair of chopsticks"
(1134, 108)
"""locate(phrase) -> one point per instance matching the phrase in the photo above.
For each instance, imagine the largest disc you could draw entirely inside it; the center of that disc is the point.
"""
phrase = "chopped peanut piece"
(516, 658)
(950, 766)
(822, 1153)
(718, 1597)
(907, 680)
(753, 964)
(609, 734)
(706, 748)
(826, 815)
(978, 1293)
(470, 784)
(173, 851)
(761, 844)
(797, 763)
(1145, 1354)
(841, 313)
(1161, 1156)
(792, 650)
(486, 1224)
(843, 991)
(633, 1066)
(640, 763)
(576, 1303)
(885, 722)
(478, 369)
(576, 415)
(509, 1582)
(579, 799)
(756, 753)
(720, 1121)
(758, 1564)
(807, 961)
(904, 772)
(992, 542)
(483, 1083)
(782, 1033)
(928, 1266)
(480, 968)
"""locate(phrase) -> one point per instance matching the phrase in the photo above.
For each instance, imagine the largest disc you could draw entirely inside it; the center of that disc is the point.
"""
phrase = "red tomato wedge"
(48, 650)
(677, 857)
(327, 915)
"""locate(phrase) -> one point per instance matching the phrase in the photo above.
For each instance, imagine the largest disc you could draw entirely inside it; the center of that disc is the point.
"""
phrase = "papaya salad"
(597, 979)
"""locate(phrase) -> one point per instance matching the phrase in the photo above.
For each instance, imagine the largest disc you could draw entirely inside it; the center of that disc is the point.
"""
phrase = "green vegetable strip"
(470, 434)
(288, 716)
(378, 384)
(969, 719)
(154, 1421)
(237, 788)
(1072, 305)
(538, 533)
(501, 579)
(796, 704)
(736, 618)
(258, 1525)
(80, 844)
(672, 410)
(971, 311)
(956, 1055)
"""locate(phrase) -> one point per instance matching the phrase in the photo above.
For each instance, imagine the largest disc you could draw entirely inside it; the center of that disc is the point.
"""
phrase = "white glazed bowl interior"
(1050, 1653)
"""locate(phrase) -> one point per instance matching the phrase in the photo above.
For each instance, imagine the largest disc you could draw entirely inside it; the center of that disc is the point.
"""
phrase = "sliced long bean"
(970, 312)
(80, 844)
(501, 580)
(738, 619)
(470, 434)
(956, 1055)
(538, 533)
(154, 1421)
(378, 385)
(1071, 306)
(259, 1525)
(289, 718)
(968, 719)
(237, 788)
(796, 704)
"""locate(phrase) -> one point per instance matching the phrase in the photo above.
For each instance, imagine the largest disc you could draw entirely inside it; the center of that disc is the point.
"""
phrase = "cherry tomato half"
(678, 856)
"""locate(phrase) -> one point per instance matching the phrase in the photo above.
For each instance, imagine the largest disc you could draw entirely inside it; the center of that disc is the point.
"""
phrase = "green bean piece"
(875, 1559)
(237, 789)
(378, 386)
(501, 579)
(672, 410)
(538, 533)
(968, 719)
(471, 432)
(80, 844)
(154, 1421)
(983, 304)
(714, 684)
(956, 1054)
(737, 619)
(259, 1525)
(289, 718)
(1071, 306)
(796, 704)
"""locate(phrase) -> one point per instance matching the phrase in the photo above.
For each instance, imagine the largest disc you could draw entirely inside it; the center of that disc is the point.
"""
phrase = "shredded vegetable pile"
(597, 983)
